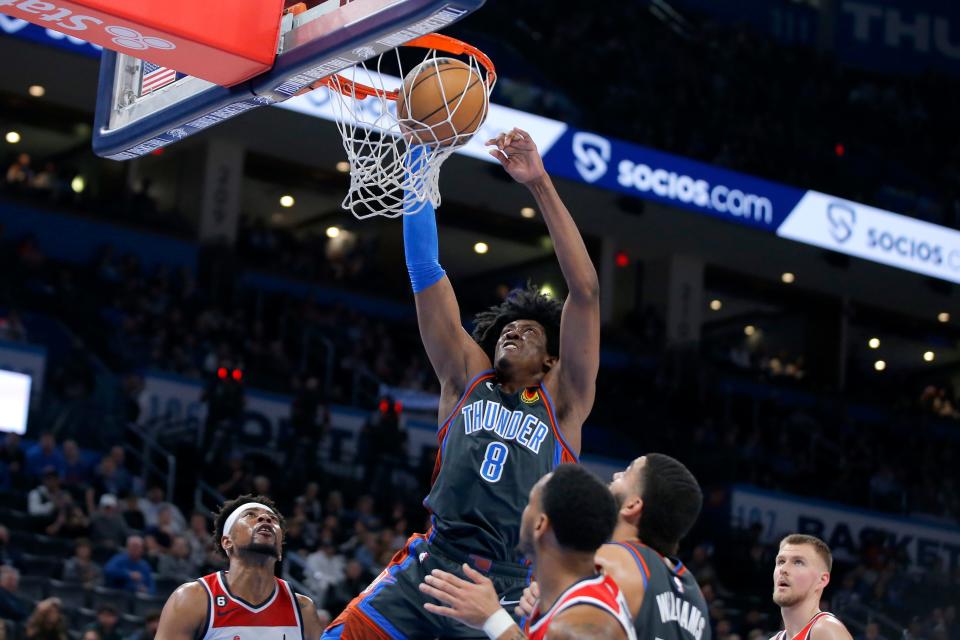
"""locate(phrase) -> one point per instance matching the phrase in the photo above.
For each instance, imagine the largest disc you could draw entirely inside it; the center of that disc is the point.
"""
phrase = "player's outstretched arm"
(184, 613)
(312, 630)
(576, 372)
(453, 353)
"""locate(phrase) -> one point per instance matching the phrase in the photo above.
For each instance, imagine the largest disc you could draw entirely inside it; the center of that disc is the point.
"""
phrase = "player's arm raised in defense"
(573, 379)
(455, 356)
(184, 613)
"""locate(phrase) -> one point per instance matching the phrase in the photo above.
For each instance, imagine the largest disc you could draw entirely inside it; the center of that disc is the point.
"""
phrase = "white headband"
(236, 513)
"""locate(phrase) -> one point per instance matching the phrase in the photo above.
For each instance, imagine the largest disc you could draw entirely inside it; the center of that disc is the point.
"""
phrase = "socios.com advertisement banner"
(847, 530)
(647, 173)
(874, 234)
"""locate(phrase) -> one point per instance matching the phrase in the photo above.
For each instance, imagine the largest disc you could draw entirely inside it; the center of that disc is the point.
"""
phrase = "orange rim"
(436, 41)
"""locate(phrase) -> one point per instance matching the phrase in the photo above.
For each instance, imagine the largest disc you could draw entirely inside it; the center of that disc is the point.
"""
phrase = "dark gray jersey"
(673, 607)
(493, 448)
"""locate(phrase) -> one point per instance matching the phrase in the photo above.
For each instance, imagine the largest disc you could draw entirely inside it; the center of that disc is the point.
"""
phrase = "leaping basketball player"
(801, 573)
(513, 399)
(658, 501)
(247, 600)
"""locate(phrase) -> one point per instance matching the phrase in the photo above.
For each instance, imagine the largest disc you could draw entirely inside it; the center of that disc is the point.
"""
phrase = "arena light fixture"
(481, 248)
(943, 316)
(78, 184)
(528, 212)
(873, 343)
(716, 305)
(749, 330)
(787, 277)
(343, 166)
(13, 137)
(879, 365)
(36, 90)
(333, 232)
(929, 356)
(287, 201)
(546, 290)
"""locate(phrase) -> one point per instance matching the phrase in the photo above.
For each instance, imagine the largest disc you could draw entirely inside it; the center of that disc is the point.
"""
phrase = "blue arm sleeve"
(420, 243)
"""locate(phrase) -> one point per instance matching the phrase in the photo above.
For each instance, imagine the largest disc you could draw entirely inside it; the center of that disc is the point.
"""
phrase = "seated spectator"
(151, 622)
(178, 561)
(129, 570)
(44, 500)
(11, 606)
(355, 580)
(154, 503)
(199, 538)
(107, 478)
(14, 458)
(43, 455)
(107, 527)
(19, 174)
(47, 621)
(70, 522)
(80, 568)
(325, 568)
(310, 501)
(131, 512)
(107, 624)
(76, 472)
(10, 555)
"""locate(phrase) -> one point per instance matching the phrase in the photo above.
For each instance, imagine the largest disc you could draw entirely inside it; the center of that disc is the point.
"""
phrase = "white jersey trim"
(559, 603)
(226, 590)
(206, 587)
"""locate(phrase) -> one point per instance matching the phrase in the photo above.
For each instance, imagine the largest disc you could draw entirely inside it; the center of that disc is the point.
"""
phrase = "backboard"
(142, 107)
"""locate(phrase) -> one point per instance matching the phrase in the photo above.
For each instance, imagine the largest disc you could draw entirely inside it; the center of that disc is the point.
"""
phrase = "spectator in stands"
(154, 503)
(19, 174)
(325, 568)
(128, 570)
(198, 537)
(44, 500)
(70, 521)
(236, 480)
(10, 556)
(76, 472)
(107, 624)
(47, 621)
(178, 562)
(107, 527)
(310, 501)
(11, 606)
(15, 459)
(45, 454)
(131, 512)
(80, 568)
(91, 634)
(151, 622)
(355, 580)
(107, 478)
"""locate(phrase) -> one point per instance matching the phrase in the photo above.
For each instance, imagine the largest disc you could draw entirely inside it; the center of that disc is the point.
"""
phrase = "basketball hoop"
(395, 161)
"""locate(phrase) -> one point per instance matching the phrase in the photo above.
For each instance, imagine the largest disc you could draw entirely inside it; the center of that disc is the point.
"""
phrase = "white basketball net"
(392, 172)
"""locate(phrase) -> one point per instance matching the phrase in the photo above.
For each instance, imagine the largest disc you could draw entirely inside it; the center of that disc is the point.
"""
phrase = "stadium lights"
(78, 184)
(333, 232)
(879, 365)
(287, 201)
(943, 316)
(929, 356)
(36, 90)
(343, 166)
(787, 277)
(546, 290)
(716, 305)
(481, 248)
(749, 330)
(528, 212)
(13, 137)
(873, 343)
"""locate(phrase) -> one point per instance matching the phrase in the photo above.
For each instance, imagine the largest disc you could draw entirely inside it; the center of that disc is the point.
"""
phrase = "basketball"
(443, 101)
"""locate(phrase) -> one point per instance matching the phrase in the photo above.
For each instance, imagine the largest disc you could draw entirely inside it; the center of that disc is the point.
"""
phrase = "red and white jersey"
(600, 591)
(804, 633)
(232, 618)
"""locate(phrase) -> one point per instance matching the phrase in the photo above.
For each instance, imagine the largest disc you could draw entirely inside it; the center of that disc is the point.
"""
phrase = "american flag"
(155, 76)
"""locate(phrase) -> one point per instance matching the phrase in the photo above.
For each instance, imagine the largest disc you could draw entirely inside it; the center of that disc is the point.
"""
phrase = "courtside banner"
(874, 234)
(654, 175)
(848, 530)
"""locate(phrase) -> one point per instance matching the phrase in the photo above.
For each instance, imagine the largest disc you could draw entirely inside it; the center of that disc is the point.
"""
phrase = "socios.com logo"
(842, 219)
(592, 155)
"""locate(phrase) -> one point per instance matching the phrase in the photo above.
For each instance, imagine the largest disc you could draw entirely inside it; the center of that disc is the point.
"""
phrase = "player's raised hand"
(470, 602)
(528, 601)
(518, 154)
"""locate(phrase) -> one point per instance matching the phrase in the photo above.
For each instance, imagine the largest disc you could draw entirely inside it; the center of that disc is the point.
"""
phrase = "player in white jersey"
(801, 573)
(246, 601)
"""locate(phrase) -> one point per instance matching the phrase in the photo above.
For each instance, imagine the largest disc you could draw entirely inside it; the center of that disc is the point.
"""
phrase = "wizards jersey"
(232, 618)
(673, 606)
(599, 591)
(804, 633)
(493, 448)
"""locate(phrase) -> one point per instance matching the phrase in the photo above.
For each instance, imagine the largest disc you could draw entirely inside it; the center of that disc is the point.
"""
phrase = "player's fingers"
(438, 593)
(446, 612)
(502, 159)
(447, 578)
(535, 590)
(473, 574)
(523, 134)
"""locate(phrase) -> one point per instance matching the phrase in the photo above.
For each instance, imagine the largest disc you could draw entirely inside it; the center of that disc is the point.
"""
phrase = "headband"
(235, 515)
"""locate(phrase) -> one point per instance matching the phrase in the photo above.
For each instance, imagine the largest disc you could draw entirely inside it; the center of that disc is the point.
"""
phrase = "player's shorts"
(391, 608)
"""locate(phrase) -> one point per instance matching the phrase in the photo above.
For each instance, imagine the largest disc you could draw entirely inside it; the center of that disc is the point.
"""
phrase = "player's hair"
(671, 503)
(581, 509)
(220, 517)
(821, 547)
(520, 304)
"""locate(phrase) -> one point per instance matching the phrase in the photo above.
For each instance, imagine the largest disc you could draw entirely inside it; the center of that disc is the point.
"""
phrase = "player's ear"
(631, 509)
(549, 362)
(226, 543)
(824, 579)
(540, 527)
